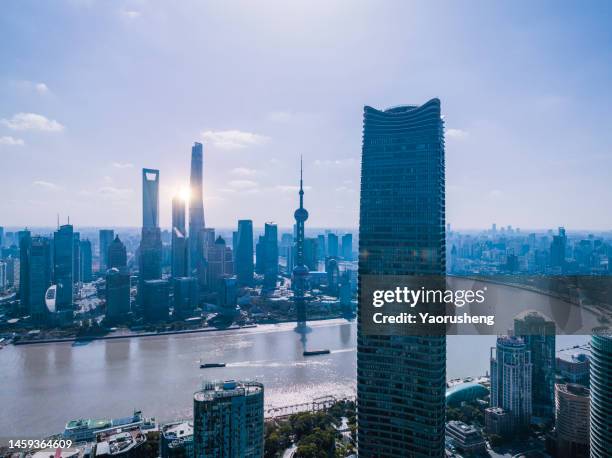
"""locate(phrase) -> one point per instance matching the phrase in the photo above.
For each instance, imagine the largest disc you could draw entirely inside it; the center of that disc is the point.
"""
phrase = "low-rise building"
(177, 440)
(466, 438)
(498, 422)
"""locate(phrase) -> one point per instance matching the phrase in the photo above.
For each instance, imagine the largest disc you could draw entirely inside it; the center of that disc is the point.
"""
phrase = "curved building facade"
(401, 380)
(601, 395)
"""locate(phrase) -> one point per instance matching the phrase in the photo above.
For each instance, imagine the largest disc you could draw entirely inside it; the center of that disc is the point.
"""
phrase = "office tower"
(401, 380)
(117, 294)
(270, 255)
(63, 265)
(117, 254)
(180, 248)
(86, 261)
(321, 247)
(39, 277)
(332, 245)
(228, 295)
(196, 211)
(310, 254)
(511, 388)
(156, 300)
(106, 238)
(572, 420)
(3, 280)
(228, 420)
(347, 247)
(243, 253)
(1, 237)
(573, 367)
(601, 393)
(333, 276)
(300, 271)
(558, 249)
(76, 269)
(260, 255)
(25, 241)
(185, 296)
(219, 263)
(538, 333)
(150, 242)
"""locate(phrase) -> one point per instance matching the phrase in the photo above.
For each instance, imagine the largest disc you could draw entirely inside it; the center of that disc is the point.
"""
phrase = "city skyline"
(256, 110)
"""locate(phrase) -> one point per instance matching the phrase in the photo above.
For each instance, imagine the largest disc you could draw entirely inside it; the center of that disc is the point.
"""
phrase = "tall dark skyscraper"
(270, 255)
(347, 247)
(86, 261)
(243, 253)
(332, 245)
(39, 277)
(196, 211)
(117, 254)
(77, 258)
(180, 249)
(106, 238)
(538, 333)
(25, 241)
(63, 265)
(150, 242)
(601, 393)
(300, 271)
(401, 380)
(117, 294)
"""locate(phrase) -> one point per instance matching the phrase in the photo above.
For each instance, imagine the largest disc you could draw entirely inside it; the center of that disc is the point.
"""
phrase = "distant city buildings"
(243, 253)
(229, 420)
(117, 254)
(106, 237)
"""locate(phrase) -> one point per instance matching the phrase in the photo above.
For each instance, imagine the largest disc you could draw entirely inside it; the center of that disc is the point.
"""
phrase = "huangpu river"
(43, 386)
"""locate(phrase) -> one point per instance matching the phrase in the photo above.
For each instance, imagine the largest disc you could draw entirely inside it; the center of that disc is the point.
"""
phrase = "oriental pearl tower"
(300, 271)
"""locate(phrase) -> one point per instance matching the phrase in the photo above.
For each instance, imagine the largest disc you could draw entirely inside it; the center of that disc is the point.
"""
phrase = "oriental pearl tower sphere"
(300, 271)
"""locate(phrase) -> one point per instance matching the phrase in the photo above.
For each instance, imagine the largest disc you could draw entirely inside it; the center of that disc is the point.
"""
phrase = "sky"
(93, 91)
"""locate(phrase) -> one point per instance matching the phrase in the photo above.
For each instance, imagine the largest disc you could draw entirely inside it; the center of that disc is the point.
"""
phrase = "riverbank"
(129, 336)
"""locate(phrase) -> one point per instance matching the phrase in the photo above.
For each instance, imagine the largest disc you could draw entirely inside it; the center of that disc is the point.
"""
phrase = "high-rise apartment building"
(538, 333)
(401, 380)
(511, 375)
(229, 420)
(572, 421)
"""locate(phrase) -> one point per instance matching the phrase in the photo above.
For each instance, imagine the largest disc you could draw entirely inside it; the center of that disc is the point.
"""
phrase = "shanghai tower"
(196, 212)
(401, 379)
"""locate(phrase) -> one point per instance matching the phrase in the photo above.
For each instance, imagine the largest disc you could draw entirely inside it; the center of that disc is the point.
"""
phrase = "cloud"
(456, 133)
(11, 141)
(233, 139)
(122, 165)
(130, 14)
(330, 162)
(291, 188)
(41, 88)
(243, 171)
(45, 184)
(281, 116)
(32, 121)
(495, 193)
(243, 184)
(111, 192)
(344, 189)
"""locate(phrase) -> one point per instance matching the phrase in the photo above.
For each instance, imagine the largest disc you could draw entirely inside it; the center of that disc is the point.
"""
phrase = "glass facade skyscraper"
(228, 420)
(401, 380)
(601, 393)
(150, 242)
(180, 251)
(243, 252)
(106, 238)
(196, 212)
(63, 265)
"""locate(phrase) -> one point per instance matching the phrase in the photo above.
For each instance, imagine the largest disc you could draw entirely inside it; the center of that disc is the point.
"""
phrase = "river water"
(43, 386)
